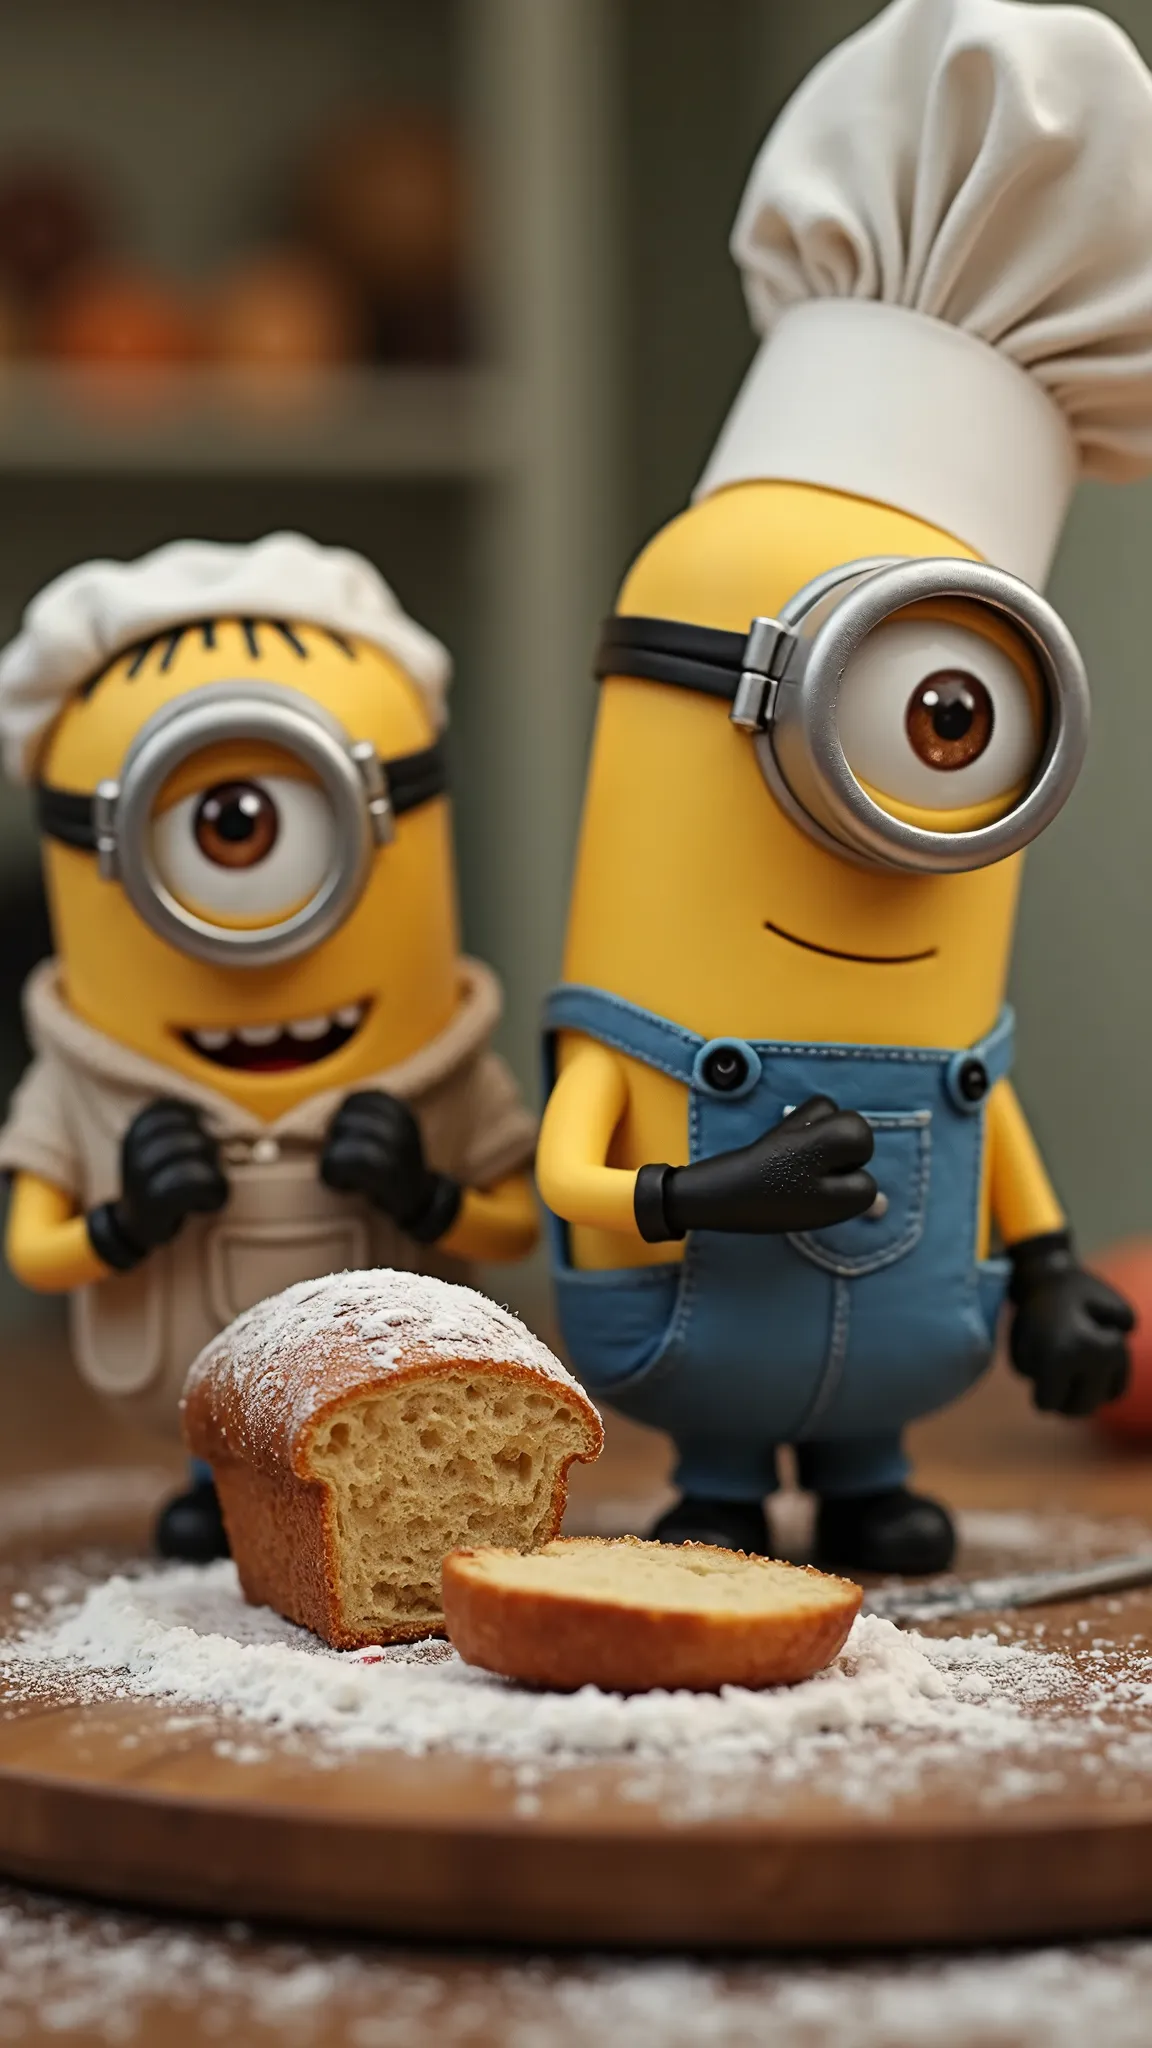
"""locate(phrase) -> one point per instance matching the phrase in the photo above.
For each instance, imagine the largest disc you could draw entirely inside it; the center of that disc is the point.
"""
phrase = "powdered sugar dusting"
(260, 1383)
(185, 1636)
(74, 1975)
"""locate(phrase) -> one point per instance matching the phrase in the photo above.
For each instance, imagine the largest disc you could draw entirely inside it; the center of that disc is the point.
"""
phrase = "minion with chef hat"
(259, 1055)
(792, 1185)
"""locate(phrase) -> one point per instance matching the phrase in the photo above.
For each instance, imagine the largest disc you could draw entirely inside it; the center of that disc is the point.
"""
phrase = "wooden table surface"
(79, 1974)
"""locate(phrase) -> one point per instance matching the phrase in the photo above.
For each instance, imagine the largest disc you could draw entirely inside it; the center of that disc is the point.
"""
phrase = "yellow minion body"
(697, 897)
(382, 985)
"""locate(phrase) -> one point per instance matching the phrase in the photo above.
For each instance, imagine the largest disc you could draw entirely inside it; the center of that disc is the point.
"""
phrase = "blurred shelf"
(348, 422)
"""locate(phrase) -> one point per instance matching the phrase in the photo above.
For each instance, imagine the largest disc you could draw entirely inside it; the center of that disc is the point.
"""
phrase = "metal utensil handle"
(1021, 1589)
(1112, 1576)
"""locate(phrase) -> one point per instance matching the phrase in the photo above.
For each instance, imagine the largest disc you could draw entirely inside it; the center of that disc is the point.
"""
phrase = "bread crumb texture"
(462, 1457)
(686, 1578)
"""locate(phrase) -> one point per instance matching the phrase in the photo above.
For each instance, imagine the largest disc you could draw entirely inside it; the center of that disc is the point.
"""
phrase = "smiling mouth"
(865, 959)
(277, 1048)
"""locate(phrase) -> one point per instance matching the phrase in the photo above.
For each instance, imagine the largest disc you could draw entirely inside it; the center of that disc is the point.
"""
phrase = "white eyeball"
(246, 849)
(936, 715)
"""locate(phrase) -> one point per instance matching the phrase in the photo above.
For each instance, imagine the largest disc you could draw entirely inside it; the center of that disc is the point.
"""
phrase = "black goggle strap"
(412, 779)
(668, 651)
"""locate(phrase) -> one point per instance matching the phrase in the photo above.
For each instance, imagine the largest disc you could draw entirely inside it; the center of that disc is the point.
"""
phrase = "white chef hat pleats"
(81, 620)
(946, 242)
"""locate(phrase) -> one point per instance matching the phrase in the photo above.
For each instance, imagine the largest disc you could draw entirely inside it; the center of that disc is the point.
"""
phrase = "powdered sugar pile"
(185, 1636)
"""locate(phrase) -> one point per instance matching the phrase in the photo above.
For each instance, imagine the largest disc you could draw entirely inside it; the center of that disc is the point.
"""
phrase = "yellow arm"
(497, 1223)
(583, 1111)
(1023, 1199)
(47, 1242)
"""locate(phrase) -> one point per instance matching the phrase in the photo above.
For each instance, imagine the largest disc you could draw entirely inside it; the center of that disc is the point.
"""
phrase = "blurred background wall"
(234, 295)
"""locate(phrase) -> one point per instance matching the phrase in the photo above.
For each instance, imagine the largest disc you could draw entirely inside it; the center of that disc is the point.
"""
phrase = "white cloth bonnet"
(81, 620)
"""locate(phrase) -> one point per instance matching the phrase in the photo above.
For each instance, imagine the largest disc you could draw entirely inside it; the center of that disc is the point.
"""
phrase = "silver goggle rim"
(348, 771)
(797, 730)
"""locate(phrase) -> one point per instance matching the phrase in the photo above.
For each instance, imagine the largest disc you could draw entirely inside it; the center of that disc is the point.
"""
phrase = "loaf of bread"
(361, 1426)
(630, 1616)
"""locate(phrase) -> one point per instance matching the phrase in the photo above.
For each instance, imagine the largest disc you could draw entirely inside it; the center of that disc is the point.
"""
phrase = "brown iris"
(949, 719)
(236, 824)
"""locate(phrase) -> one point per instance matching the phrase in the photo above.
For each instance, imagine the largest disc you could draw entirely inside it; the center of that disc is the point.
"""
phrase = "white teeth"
(309, 1027)
(306, 1029)
(259, 1034)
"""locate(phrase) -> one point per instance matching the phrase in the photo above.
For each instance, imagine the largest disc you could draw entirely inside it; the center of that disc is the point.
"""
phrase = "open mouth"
(277, 1048)
(865, 959)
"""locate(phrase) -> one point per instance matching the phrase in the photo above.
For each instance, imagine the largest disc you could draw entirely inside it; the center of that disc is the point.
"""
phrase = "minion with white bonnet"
(792, 1184)
(259, 1054)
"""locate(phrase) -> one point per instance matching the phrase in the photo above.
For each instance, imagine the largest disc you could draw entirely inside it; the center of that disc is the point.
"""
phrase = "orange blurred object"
(283, 309)
(384, 197)
(1129, 1268)
(109, 314)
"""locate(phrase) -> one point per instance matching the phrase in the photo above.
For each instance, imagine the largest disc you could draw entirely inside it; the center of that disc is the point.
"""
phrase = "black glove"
(373, 1148)
(806, 1173)
(1069, 1328)
(169, 1170)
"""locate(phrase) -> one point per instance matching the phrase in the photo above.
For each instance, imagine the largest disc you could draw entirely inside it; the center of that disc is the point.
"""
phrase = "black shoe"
(730, 1524)
(895, 1531)
(191, 1527)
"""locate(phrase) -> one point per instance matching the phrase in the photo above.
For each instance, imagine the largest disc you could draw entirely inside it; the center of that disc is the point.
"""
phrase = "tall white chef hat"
(81, 620)
(947, 242)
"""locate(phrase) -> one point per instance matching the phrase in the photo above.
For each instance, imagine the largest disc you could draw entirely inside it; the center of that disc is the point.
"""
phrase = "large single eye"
(236, 824)
(937, 715)
(949, 719)
(246, 850)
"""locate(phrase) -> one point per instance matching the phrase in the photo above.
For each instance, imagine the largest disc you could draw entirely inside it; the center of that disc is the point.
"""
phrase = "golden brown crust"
(278, 1532)
(562, 1641)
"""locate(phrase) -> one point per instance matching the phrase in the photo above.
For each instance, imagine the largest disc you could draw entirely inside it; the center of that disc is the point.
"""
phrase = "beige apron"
(135, 1334)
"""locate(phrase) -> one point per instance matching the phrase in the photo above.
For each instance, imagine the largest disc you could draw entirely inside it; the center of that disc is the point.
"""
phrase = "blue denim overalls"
(829, 1340)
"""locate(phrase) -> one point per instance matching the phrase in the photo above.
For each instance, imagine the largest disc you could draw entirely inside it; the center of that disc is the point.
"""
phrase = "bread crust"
(564, 1641)
(259, 1395)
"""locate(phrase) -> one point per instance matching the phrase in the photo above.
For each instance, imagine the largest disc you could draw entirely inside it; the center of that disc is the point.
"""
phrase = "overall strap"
(998, 1048)
(672, 1050)
(640, 1034)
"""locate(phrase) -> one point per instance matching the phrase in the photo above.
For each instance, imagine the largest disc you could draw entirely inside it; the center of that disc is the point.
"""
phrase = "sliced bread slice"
(629, 1616)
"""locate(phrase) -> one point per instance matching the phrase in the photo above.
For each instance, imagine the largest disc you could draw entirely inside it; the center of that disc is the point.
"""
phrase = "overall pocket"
(118, 1327)
(614, 1323)
(614, 1320)
(901, 1166)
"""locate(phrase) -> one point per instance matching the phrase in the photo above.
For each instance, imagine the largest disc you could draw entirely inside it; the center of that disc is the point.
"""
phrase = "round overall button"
(725, 1068)
(972, 1080)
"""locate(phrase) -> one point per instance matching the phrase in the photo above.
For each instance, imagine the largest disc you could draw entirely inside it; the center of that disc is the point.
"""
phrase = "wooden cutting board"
(121, 1801)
